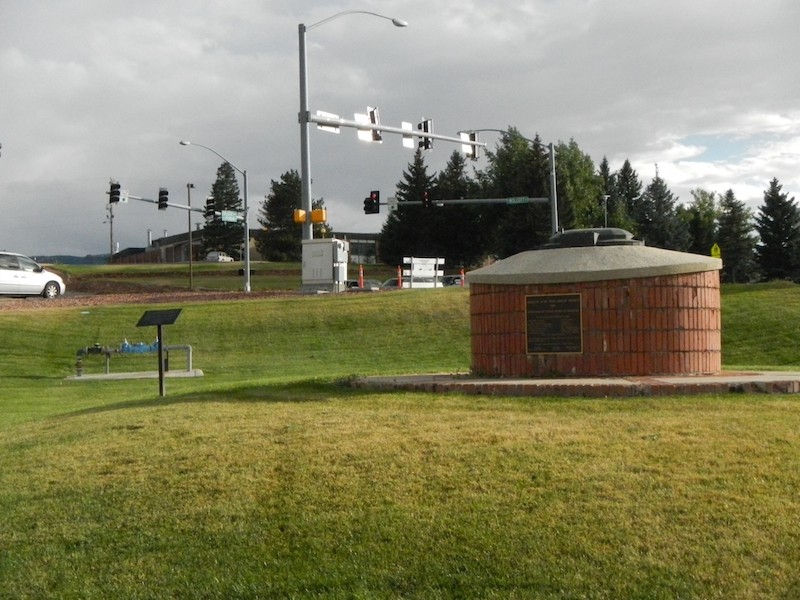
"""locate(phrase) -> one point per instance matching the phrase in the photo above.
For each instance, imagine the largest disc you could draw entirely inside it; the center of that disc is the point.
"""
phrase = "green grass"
(760, 325)
(269, 478)
(205, 276)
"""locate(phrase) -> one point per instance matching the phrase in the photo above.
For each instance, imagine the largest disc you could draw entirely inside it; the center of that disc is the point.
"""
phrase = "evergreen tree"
(628, 195)
(408, 230)
(280, 237)
(219, 235)
(609, 201)
(460, 229)
(700, 219)
(518, 168)
(736, 240)
(661, 226)
(580, 188)
(778, 225)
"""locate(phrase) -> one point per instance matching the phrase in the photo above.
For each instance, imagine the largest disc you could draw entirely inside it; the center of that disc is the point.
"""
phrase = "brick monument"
(596, 302)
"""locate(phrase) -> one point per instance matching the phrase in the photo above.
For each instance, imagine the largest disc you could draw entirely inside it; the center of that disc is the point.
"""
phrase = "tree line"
(765, 245)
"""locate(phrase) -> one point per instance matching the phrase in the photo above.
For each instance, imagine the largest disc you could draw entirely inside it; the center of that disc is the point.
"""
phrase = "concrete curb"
(616, 387)
(135, 375)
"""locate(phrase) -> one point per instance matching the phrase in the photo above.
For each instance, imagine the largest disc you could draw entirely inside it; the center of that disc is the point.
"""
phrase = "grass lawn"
(269, 478)
(205, 276)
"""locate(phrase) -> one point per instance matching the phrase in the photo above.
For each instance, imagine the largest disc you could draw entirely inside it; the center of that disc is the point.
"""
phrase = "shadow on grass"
(310, 390)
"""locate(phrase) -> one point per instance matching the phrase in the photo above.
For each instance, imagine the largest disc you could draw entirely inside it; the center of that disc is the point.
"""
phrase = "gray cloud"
(96, 89)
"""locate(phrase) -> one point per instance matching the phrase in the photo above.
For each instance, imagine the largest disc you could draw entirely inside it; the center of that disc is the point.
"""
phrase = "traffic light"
(469, 147)
(372, 205)
(114, 192)
(426, 199)
(375, 119)
(163, 198)
(426, 126)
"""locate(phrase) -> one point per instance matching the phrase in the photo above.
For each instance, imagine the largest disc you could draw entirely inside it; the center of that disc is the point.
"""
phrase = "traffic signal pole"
(514, 200)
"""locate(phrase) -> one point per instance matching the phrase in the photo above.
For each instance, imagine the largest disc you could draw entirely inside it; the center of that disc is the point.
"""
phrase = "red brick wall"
(648, 326)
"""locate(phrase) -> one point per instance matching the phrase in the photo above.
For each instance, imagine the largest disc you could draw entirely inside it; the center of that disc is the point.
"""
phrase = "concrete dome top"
(591, 263)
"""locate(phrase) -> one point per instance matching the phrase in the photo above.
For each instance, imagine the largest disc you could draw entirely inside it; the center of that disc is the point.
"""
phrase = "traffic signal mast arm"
(513, 200)
(170, 204)
(333, 122)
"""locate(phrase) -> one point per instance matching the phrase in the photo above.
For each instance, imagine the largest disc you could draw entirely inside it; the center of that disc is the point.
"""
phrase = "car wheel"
(51, 290)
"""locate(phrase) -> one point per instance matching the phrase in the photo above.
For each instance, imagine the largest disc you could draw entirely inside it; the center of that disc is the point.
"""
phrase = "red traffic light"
(426, 199)
(372, 205)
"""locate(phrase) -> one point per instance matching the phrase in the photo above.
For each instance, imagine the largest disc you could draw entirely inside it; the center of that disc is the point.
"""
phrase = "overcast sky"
(708, 90)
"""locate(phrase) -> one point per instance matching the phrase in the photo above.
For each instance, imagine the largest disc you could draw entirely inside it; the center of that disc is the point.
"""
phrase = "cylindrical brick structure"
(621, 309)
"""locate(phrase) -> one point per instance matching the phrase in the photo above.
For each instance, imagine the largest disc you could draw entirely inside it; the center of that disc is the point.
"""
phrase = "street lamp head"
(399, 23)
(185, 143)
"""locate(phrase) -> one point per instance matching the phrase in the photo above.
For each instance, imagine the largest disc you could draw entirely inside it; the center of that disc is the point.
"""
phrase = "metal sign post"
(159, 318)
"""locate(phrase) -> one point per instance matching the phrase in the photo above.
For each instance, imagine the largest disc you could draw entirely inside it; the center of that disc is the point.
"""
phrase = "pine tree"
(778, 225)
(609, 201)
(580, 191)
(519, 168)
(279, 240)
(736, 240)
(700, 219)
(628, 194)
(661, 227)
(219, 235)
(459, 229)
(408, 230)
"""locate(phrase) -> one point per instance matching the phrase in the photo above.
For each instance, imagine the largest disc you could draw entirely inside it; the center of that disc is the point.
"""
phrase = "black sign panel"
(159, 317)
(553, 324)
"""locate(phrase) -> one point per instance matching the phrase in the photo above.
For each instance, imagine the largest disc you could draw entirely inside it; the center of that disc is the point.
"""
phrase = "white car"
(216, 256)
(23, 276)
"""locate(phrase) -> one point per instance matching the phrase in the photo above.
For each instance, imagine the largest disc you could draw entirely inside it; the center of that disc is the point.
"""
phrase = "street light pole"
(189, 187)
(246, 215)
(305, 118)
(553, 192)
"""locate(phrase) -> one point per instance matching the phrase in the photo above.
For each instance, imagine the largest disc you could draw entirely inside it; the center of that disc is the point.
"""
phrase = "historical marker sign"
(553, 324)
(159, 318)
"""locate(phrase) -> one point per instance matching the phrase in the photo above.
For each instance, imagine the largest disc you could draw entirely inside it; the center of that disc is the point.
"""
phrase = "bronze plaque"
(553, 324)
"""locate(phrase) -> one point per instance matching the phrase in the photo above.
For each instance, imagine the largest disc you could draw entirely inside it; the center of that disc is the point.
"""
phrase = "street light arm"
(395, 22)
(245, 211)
(187, 143)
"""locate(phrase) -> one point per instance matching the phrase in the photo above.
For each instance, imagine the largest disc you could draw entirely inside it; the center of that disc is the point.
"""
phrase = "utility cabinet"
(325, 264)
